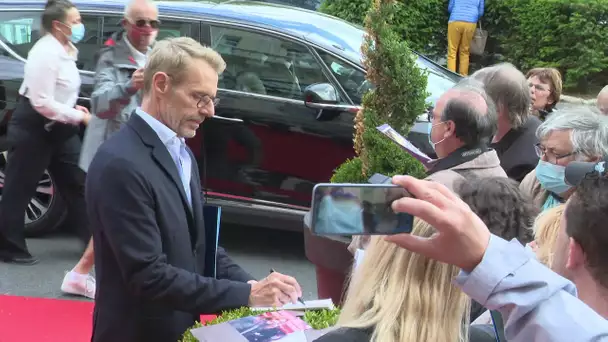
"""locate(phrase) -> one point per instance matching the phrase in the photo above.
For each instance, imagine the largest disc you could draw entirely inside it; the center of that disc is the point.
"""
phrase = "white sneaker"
(79, 284)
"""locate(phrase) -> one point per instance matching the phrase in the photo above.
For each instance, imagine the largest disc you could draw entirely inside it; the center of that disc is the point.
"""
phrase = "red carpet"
(27, 319)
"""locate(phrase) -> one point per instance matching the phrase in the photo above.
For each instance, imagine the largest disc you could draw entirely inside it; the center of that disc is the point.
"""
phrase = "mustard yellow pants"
(460, 35)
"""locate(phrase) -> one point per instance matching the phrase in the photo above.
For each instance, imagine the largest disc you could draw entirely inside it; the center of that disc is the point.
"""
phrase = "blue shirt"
(536, 303)
(176, 147)
(466, 10)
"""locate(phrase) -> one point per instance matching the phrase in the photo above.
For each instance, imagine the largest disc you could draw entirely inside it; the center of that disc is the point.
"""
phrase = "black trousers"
(29, 156)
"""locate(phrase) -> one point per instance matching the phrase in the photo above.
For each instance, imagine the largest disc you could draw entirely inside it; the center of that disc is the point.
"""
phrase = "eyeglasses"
(204, 100)
(542, 151)
(143, 22)
(537, 87)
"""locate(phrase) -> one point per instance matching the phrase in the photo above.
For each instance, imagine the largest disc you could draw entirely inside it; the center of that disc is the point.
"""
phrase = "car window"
(263, 64)
(354, 83)
(168, 28)
(20, 30)
(350, 78)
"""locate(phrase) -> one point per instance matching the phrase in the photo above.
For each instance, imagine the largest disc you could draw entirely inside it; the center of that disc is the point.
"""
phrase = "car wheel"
(46, 210)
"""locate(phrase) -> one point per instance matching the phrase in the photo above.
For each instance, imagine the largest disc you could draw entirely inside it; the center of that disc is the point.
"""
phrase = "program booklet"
(282, 326)
(405, 144)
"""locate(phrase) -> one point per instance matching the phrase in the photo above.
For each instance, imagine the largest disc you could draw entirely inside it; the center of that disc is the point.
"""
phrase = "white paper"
(297, 336)
(308, 305)
(404, 143)
(359, 253)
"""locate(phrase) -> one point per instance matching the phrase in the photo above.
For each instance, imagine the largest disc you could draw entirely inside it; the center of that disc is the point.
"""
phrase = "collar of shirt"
(165, 134)
(140, 58)
(53, 43)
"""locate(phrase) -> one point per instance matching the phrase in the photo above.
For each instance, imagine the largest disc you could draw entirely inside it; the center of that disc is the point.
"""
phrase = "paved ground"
(256, 249)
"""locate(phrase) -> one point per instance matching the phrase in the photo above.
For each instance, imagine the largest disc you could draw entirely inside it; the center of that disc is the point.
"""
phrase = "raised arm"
(109, 96)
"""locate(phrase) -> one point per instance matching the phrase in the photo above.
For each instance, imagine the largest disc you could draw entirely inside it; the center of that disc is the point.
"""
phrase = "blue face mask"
(77, 33)
(342, 216)
(552, 177)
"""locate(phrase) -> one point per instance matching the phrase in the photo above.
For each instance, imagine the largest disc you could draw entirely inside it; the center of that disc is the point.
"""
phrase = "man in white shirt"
(118, 79)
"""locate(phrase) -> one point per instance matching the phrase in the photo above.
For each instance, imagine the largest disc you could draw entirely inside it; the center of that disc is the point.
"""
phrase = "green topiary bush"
(317, 319)
(397, 99)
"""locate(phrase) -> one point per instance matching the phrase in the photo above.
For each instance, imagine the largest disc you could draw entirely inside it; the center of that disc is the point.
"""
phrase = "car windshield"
(353, 79)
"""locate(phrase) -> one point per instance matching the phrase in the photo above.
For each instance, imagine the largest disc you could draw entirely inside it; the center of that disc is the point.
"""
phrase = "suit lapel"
(162, 158)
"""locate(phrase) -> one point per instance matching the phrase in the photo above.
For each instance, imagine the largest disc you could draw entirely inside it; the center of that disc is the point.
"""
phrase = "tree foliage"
(423, 23)
(398, 98)
(570, 35)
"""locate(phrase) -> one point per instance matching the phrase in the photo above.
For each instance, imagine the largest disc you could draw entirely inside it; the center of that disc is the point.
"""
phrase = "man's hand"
(87, 116)
(275, 290)
(461, 238)
(137, 80)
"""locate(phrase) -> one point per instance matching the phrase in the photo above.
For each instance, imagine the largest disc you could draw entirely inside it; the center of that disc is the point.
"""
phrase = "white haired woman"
(573, 135)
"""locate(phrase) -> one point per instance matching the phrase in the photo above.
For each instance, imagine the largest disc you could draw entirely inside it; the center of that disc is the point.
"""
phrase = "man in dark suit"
(157, 265)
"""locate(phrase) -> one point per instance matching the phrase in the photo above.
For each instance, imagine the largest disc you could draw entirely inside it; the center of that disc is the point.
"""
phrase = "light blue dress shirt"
(176, 147)
(536, 303)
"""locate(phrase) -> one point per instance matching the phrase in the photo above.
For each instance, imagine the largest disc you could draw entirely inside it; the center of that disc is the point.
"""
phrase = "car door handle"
(227, 119)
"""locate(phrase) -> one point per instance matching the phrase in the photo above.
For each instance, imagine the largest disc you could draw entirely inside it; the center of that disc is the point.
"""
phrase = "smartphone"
(358, 209)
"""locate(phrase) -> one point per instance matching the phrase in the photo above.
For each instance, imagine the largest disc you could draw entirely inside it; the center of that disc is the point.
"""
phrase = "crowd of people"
(509, 167)
(533, 175)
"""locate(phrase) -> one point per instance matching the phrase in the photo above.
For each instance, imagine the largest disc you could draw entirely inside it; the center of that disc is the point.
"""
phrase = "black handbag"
(27, 118)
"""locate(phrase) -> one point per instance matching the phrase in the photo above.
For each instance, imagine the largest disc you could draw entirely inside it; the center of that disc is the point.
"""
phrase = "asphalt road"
(255, 249)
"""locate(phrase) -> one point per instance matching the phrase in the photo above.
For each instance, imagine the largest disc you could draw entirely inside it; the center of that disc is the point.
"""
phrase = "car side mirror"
(325, 98)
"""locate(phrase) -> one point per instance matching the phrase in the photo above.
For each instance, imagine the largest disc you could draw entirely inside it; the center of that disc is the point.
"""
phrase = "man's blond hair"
(173, 56)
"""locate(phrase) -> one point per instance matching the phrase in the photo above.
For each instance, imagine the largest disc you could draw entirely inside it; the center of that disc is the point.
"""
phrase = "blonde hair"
(173, 55)
(405, 297)
(546, 228)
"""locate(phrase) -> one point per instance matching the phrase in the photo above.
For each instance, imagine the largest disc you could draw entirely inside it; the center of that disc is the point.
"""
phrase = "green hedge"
(570, 35)
(423, 23)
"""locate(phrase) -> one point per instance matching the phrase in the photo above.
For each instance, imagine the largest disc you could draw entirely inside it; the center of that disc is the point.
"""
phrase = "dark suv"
(267, 145)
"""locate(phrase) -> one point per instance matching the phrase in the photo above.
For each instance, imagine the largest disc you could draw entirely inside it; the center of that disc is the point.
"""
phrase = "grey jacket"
(112, 102)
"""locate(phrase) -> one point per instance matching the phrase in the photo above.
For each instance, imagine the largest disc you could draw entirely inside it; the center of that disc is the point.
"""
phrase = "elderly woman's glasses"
(538, 87)
(542, 151)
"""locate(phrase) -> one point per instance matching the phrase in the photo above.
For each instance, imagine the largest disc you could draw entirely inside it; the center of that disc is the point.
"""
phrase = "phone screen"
(358, 209)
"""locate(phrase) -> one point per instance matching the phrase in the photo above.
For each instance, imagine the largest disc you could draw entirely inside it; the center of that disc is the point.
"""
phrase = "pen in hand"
(299, 298)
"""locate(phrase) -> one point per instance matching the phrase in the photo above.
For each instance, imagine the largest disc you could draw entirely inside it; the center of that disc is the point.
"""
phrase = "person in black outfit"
(43, 130)
(515, 138)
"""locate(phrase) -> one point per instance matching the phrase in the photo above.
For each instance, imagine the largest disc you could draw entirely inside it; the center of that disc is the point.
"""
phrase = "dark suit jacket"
(154, 259)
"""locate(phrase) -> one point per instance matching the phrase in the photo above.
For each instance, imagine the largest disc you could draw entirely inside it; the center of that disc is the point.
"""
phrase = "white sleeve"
(40, 79)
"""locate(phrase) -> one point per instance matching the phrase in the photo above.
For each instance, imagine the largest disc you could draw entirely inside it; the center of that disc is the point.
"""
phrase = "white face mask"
(433, 144)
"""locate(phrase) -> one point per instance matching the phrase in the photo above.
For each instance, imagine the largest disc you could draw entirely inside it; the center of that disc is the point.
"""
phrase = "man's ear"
(451, 129)
(160, 82)
(576, 255)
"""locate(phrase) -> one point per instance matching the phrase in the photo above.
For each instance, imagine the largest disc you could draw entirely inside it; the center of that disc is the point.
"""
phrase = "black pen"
(299, 298)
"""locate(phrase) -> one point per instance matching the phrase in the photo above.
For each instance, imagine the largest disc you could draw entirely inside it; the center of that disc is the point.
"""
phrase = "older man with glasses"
(575, 135)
